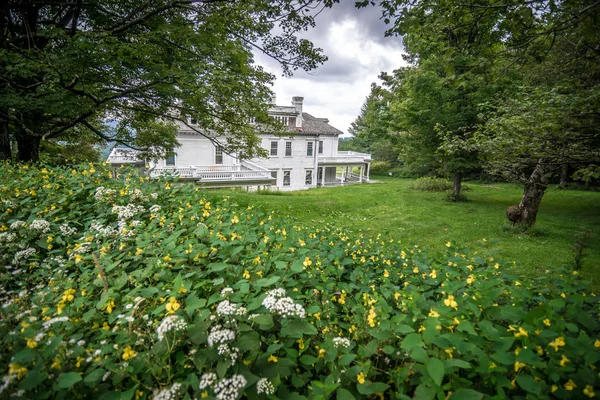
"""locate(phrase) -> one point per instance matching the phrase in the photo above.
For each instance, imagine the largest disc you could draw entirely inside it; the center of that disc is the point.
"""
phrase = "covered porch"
(347, 167)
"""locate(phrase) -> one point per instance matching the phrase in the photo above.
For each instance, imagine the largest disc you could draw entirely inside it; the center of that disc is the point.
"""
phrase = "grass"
(427, 220)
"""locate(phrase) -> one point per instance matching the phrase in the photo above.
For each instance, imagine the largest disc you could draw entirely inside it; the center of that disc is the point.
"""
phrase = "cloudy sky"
(358, 51)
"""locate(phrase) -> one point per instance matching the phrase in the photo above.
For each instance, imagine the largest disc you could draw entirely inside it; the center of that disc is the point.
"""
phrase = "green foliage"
(580, 247)
(431, 184)
(380, 167)
(125, 287)
(147, 67)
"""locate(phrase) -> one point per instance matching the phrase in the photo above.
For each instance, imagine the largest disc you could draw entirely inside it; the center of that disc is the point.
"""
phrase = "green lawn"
(425, 219)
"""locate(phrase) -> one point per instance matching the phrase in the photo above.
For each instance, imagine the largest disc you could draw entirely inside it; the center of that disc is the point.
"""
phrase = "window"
(309, 177)
(287, 180)
(288, 149)
(281, 119)
(194, 121)
(309, 149)
(274, 145)
(320, 147)
(218, 155)
(170, 160)
(274, 176)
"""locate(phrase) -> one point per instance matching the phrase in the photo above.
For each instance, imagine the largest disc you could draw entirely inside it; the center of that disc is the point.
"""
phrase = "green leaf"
(436, 370)
(265, 321)
(411, 341)
(68, 379)
(296, 328)
(424, 392)
(95, 376)
(308, 360)
(343, 394)
(528, 383)
(248, 341)
(346, 359)
(380, 335)
(192, 303)
(32, 379)
(466, 394)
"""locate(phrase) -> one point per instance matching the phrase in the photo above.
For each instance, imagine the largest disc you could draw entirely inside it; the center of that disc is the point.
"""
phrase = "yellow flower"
(16, 368)
(360, 378)
(450, 302)
(272, 358)
(300, 344)
(433, 313)
(554, 388)
(110, 305)
(449, 352)
(128, 353)
(470, 279)
(556, 343)
(138, 251)
(386, 273)
(564, 361)
(235, 219)
(448, 244)
(321, 353)
(519, 365)
(307, 262)
(597, 343)
(433, 274)
(167, 257)
(172, 305)
(204, 395)
(246, 274)
(55, 364)
(570, 385)
(522, 332)
(589, 391)
(415, 270)
(371, 317)
(138, 394)
(547, 322)
(31, 343)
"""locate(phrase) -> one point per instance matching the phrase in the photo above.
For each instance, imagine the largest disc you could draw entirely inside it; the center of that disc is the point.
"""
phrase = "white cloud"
(357, 55)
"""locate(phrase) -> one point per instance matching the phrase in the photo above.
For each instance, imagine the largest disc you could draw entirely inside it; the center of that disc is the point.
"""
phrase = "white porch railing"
(346, 157)
(215, 173)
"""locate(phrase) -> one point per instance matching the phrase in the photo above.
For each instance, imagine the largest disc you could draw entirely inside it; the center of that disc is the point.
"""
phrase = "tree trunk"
(5, 153)
(534, 191)
(564, 176)
(28, 147)
(456, 184)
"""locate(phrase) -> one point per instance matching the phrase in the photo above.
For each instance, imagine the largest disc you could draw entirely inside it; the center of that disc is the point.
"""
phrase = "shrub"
(430, 184)
(129, 288)
(380, 167)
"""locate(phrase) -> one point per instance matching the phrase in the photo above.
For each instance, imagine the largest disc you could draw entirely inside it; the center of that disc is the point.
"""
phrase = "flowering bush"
(129, 288)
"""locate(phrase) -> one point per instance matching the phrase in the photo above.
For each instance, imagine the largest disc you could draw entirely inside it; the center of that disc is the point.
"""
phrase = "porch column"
(322, 176)
(362, 169)
(368, 171)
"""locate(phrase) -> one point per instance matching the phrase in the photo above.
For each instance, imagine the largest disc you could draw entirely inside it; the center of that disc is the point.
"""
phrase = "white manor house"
(307, 158)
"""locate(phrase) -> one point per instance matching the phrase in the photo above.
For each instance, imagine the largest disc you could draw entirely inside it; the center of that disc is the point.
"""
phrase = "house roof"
(316, 126)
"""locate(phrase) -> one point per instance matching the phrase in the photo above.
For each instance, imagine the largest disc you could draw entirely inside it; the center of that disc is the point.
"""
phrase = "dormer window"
(194, 121)
(282, 119)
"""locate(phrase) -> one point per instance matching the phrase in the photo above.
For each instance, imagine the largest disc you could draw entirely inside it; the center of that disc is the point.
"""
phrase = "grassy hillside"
(425, 219)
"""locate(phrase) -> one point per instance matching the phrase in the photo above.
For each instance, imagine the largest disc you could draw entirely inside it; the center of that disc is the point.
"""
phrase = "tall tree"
(145, 65)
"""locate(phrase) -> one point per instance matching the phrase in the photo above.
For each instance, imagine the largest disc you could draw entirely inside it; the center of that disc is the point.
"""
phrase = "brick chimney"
(297, 103)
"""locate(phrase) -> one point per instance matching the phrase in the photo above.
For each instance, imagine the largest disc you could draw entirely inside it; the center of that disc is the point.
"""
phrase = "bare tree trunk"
(456, 185)
(564, 176)
(5, 152)
(534, 190)
(28, 147)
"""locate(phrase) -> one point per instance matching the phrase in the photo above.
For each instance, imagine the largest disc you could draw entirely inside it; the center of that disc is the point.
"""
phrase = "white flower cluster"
(226, 292)
(53, 321)
(137, 194)
(167, 393)
(219, 335)
(207, 380)
(40, 225)
(277, 303)
(7, 237)
(23, 255)
(103, 194)
(155, 208)
(6, 381)
(17, 225)
(265, 386)
(225, 308)
(128, 211)
(171, 323)
(341, 342)
(103, 230)
(229, 388)
(233, 353)
(66, 230)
